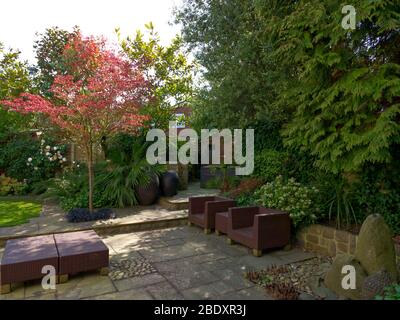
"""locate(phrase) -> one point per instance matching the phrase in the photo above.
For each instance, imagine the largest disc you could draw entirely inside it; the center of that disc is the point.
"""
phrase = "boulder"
(334, 277)
(375, 284)
(375, 249)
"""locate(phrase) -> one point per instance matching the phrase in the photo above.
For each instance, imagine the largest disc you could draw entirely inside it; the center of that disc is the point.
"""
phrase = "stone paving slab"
(138, 282)
(124, 295)
(254, 293)
(52, 220)
(164, 291)
(189, 265)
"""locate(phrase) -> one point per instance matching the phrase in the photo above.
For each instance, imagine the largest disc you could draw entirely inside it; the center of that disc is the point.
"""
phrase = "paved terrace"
(170, 212)
(52, 220)
(174, 263)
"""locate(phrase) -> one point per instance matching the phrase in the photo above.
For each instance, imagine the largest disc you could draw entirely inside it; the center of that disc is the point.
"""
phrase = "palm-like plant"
(127, 169)
(340, 206)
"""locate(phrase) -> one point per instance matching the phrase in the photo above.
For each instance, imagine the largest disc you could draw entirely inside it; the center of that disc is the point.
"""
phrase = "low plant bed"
(301, 280)
(84, 215)
(16, 212)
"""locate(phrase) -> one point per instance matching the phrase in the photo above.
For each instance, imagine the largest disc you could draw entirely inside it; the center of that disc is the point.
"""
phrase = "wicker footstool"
(81, 251)
(24, 259)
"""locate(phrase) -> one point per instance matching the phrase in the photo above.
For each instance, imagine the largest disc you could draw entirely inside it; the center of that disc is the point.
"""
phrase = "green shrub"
(268, 164)
(291, 197)
(115, 180)
(81, 200)
(390, 293)
(71, 189)
(224, 178)
(244, 192)
(301, 166)
(214, 183)
(26, 159)
(127, 168)
(336, 200)
(377, 191)
(248, 199)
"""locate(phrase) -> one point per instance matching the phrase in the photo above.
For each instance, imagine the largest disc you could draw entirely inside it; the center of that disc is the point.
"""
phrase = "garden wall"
(330, 241)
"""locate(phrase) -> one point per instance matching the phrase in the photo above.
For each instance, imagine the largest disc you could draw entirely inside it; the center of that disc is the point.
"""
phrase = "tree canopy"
(334, 92)
(14, 79)
(99, 96)
(167, 69)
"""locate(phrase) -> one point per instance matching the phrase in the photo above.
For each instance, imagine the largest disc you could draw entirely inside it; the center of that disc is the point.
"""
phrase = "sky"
(21, 19)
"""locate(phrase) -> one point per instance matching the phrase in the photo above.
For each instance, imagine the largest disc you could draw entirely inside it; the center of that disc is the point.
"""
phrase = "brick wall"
(329, 241)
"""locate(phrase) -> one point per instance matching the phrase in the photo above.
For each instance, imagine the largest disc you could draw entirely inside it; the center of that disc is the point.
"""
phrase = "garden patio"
(173, 263)
(187, 169)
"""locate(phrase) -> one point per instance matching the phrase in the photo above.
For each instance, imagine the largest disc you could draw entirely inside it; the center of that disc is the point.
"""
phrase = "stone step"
(173, 204)
(181, 200)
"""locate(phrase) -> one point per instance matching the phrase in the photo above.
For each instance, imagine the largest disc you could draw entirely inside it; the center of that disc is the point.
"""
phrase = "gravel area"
(301, 280)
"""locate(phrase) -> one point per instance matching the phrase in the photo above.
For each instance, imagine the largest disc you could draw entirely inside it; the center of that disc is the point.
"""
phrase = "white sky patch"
(21, 19)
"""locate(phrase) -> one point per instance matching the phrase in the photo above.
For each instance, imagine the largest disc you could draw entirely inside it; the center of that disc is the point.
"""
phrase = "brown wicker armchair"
(258, 228)
(202, 210)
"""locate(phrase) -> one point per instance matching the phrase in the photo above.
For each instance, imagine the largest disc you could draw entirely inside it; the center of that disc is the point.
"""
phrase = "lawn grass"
(16, 212)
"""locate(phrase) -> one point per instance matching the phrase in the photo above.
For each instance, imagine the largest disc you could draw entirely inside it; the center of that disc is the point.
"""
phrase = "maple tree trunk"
(91, 175)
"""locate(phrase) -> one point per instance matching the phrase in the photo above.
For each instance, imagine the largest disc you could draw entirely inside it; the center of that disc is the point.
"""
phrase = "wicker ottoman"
(81, 251)
(24, 259)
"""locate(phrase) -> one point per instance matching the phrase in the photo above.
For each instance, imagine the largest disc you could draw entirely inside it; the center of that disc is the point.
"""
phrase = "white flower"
(55, 148)
(48, 154)
(42, 141)
(64, 159)
(29, 159)
(39, 133)
(48, 147)
(35, 168)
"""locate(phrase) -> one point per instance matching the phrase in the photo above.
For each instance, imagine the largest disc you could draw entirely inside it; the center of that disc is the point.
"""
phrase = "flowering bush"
(23, 158)
(291, 197)
(48, 156)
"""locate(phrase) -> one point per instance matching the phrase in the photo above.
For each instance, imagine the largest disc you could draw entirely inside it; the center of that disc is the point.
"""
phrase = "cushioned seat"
(221, 222)
(202, 210)
(259, 228)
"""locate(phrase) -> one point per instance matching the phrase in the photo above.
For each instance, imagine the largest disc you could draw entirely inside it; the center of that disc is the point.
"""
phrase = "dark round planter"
(149, 193)
(169, 183)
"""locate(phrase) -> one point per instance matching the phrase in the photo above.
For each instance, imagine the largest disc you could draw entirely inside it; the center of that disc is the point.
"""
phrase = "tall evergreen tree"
(344, 84)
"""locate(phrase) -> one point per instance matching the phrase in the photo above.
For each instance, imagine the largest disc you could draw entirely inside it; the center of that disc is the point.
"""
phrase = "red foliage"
(101, 94)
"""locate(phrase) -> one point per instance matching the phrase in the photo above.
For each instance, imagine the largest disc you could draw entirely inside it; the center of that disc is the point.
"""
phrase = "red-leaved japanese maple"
(100, 96)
